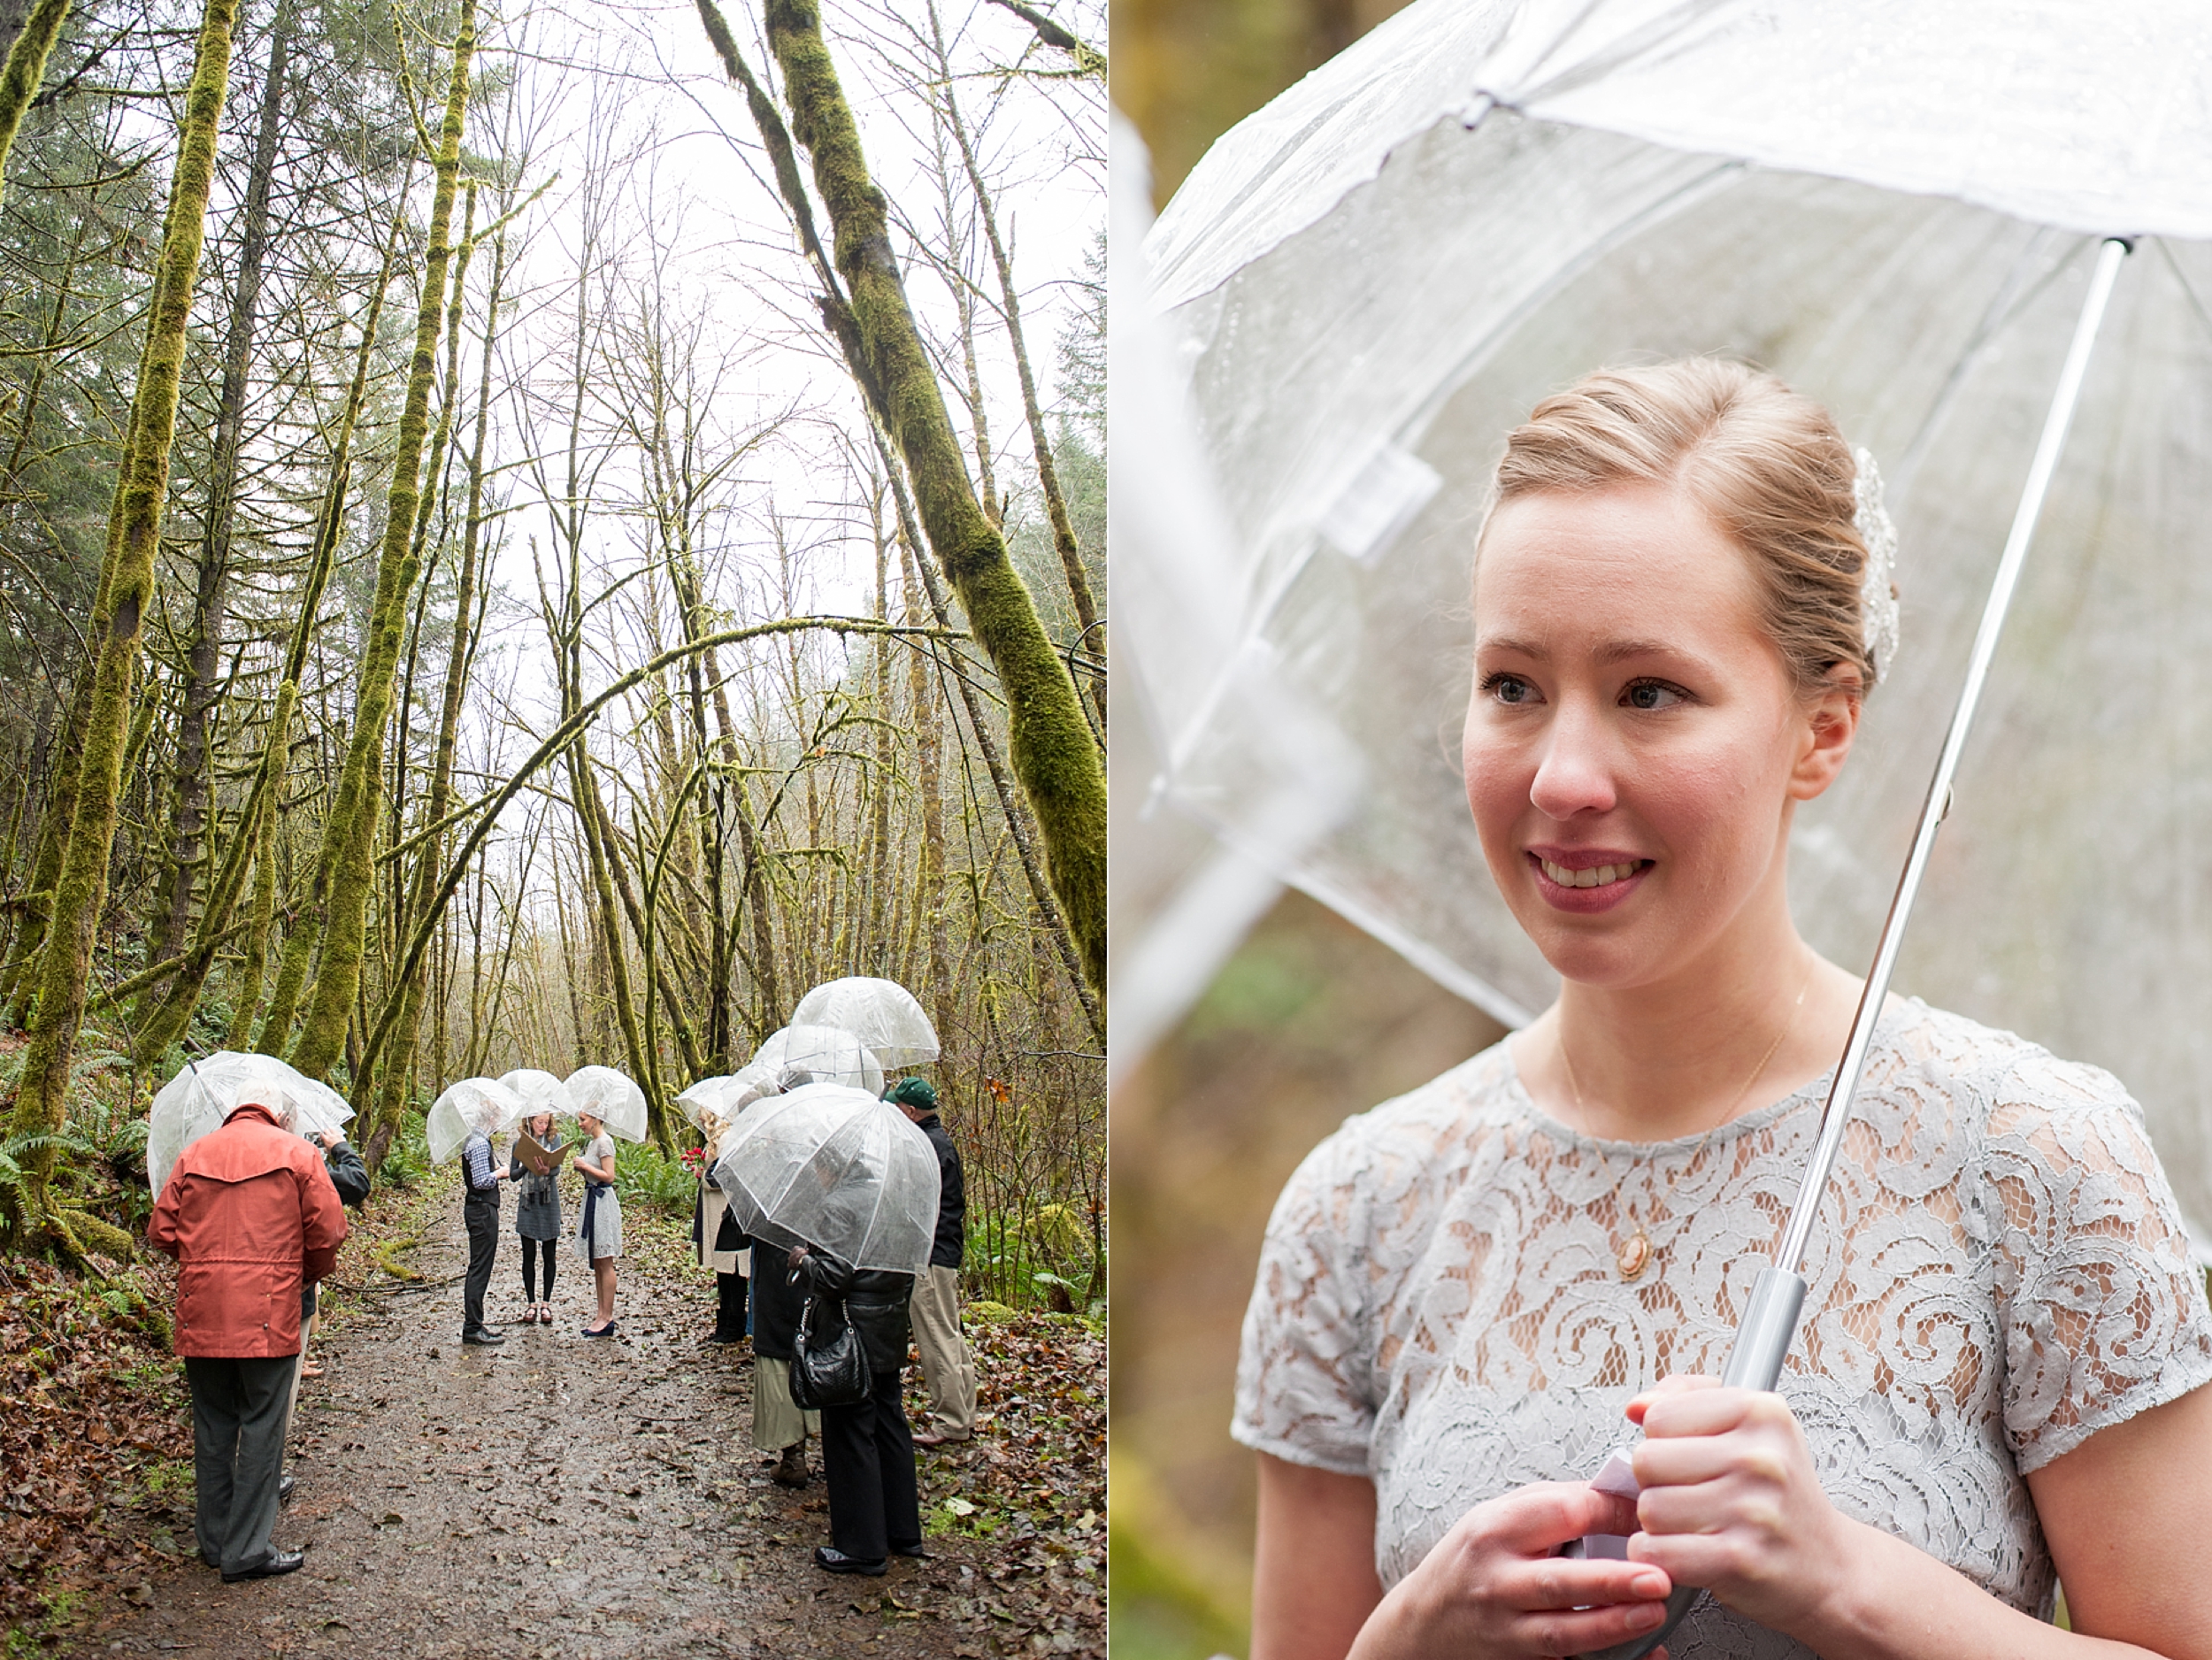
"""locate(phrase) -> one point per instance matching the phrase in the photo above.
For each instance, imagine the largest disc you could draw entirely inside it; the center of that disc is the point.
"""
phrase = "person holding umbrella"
(1678, 614)
(718, 1243)
(867, 1445)
(249, 1214)
(599, 1229)
(947, 1365)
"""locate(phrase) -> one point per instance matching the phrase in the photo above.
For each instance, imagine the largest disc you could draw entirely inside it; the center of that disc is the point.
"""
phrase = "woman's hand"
(1494, 1587)
(1730, 1501)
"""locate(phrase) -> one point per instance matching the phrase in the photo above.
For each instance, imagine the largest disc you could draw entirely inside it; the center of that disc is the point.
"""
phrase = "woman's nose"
(1574, 774)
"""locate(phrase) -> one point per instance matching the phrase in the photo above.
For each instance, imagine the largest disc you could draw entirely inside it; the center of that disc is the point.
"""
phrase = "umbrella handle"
(1754, 1363)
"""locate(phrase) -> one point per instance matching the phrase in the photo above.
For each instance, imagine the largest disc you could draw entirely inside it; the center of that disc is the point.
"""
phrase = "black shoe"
(602, 1330)
(284, 1487)
(917, 1551)
(275, 1562)
(720, 1340)
(831, 1561)
(483, 1337)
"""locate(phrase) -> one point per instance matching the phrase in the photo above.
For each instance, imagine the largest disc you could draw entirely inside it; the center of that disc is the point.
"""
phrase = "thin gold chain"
(1582, 1108)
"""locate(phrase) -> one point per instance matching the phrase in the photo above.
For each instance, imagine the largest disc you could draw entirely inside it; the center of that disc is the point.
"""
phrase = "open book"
(539, 1161)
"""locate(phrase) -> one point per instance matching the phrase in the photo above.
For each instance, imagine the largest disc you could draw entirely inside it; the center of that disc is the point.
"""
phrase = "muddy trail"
(565, 1496)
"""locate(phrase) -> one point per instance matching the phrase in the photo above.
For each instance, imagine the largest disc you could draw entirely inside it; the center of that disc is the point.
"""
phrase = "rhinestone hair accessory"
(1878, 586)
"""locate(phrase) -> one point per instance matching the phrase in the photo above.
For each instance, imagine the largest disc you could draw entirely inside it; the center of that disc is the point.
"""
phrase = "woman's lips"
(1585, 887)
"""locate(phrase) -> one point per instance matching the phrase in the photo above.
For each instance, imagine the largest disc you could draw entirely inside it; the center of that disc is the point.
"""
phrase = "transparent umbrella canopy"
(205, 1092)
(475, 1103)
(1898, 207)
(726, 1097)
(835, 1168)
(882, 1013)
(539, 1092)
(831, 1053)
(611, 1097)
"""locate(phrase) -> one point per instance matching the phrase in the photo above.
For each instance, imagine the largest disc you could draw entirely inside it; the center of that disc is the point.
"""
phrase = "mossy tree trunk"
(391, 1098)
(81, 888)
(26, 68)
(173, 917)
(306, 927)
(253, 848)
(1055, 756)
(349, 834)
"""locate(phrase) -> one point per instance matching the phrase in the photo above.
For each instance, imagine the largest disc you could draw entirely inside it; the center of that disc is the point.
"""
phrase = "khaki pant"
(778, 1422)
(947, 1365)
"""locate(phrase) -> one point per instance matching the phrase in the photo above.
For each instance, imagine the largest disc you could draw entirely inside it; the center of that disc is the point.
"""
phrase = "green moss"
(349, 834)
(129, 583)
(26, 67)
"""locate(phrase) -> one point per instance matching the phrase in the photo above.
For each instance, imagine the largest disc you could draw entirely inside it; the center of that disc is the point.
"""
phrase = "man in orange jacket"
(251, 1215)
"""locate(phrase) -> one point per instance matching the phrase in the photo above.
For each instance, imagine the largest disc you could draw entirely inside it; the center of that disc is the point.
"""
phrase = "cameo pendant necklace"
(1635, 1253)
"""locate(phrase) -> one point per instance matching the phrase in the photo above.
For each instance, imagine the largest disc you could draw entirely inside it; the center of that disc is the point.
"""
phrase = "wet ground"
(561, 1496)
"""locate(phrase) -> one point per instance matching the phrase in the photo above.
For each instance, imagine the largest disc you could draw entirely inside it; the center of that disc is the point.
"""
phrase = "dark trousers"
(238, 1413)
(868, 1462)
(729, 1307)
(530, 1249)
(480, 1211)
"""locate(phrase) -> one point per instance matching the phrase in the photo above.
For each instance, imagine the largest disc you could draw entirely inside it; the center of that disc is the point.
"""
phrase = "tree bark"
(42, 1097)
(1055, 756)
(26, 68)
(391, 1098)
(174, 919)
(304, 930)
(351, 828)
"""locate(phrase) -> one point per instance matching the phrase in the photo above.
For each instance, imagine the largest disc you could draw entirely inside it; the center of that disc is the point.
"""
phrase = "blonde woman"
(1470, 1293)
(598, 1236)
(537, 1223)
(718, 1243)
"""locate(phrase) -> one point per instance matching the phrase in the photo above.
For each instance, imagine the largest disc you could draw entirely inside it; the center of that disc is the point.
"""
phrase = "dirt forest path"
(561, 1496)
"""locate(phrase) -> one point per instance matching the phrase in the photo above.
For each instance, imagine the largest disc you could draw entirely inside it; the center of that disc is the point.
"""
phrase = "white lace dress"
(1999, 1271)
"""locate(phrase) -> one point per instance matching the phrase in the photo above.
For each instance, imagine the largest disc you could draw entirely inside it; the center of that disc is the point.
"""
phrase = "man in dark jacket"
(948, 1365)
(249, 1214)
(867, 1448)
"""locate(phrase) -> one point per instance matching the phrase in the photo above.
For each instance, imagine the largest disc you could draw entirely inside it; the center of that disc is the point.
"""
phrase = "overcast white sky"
(640, 80)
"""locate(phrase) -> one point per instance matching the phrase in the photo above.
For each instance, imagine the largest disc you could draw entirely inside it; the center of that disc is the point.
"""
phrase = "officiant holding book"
(535, 1170)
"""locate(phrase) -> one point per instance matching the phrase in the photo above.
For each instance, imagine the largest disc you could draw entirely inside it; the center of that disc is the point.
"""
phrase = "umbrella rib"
(2012, 297)
(2196, 301)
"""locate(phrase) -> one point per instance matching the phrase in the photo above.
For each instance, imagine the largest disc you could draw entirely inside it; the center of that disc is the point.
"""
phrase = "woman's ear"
(1831, 725)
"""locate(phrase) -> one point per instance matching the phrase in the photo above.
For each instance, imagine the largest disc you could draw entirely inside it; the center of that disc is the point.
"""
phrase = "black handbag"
(829, 1365)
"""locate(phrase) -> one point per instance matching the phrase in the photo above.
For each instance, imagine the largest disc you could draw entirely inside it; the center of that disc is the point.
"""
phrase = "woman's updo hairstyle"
(1766, 463)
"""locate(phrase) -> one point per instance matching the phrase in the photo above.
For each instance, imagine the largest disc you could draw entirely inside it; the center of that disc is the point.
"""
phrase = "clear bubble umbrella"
(540, 1092)
(205, 1092)
(1907, 211)
(882, 1013)
(472, 1104)
(835, 1168)
(611, 1097)
(725, 1096)
(832, 1053)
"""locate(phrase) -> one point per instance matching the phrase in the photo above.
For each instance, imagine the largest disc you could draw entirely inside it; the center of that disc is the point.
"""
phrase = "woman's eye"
(1509, 689)
(1651, 695)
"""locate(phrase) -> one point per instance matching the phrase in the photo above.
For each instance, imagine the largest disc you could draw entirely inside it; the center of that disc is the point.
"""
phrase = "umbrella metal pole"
(1769, 1323)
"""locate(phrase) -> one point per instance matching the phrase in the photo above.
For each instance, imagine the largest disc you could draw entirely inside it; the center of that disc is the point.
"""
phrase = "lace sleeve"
(1305, 1370)
(2104, 1313)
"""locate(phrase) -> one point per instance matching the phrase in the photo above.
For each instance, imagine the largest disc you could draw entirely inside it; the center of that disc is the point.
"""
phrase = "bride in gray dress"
(1470, 1295)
